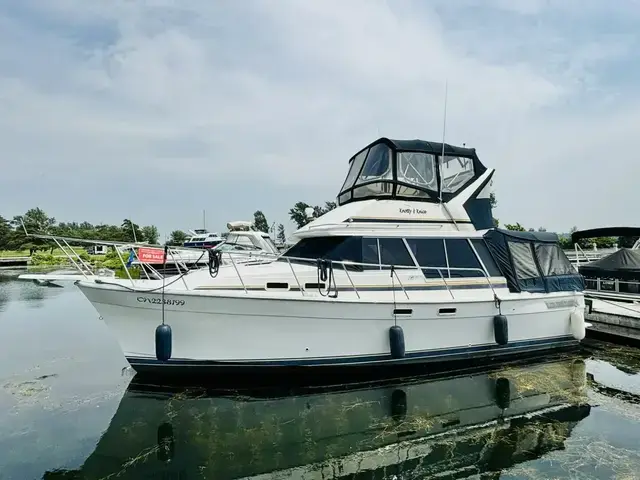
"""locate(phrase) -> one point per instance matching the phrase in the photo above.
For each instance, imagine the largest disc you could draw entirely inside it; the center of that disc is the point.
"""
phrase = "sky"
(157, 109)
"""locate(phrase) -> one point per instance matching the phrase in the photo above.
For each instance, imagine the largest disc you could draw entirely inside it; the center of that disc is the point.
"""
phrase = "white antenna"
(204, 219)
(444, 129)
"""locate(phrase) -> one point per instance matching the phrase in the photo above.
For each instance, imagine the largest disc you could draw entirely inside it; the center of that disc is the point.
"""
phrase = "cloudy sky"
(157, 109)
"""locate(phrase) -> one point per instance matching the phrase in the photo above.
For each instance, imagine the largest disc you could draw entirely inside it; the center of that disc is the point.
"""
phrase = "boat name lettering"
(419, 211)
(158, 301)
(560, 303)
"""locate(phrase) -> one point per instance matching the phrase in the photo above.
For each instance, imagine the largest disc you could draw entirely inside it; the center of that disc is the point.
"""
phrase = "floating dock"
(13, 262)
(613, 314)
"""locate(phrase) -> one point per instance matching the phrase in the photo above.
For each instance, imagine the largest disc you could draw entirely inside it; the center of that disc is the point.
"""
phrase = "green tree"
(298, 215)
(328, 206)
(260, 221)
(35, 220)
(515, 227)
(150, 234)
(318, 211)
(5, 233)
(177, 238)
(281, 236)
(131, 231)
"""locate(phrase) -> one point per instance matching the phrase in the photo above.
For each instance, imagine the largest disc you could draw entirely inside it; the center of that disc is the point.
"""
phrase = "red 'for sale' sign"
(151, 255)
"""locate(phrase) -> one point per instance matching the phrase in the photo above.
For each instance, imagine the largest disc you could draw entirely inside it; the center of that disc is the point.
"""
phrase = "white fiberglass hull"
(231, 328)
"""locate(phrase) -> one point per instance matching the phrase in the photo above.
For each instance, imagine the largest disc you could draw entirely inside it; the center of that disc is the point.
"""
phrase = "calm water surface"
(68, 410)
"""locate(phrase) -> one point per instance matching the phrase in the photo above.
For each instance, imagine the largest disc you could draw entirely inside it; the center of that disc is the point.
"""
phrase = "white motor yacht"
(407, 269)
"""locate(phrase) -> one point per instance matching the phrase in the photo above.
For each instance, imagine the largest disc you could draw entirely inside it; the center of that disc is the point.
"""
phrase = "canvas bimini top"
(410, 170)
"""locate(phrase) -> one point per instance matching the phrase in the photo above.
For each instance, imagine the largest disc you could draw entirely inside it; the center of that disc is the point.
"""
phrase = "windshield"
(271, 244)
(227, 247)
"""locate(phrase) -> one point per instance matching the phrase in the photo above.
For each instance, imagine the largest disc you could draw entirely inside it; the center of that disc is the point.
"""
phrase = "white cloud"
(198, 95)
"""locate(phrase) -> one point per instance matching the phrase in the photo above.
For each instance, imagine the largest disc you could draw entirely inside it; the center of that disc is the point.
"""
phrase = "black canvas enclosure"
(532, 261)
(623, 265)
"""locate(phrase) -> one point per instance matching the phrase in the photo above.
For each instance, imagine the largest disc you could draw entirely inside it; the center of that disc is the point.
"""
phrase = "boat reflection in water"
(455, 426)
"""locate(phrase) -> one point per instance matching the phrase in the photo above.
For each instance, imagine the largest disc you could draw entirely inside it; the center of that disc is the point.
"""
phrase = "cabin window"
(461, 255)
(455, 172)
(370, 254)
(330, 248)
(429, 252)
(525, 266)
(486, 257)
(354, 169)
(553, 260)
(394, 252)
(417, 169)
(339, 249)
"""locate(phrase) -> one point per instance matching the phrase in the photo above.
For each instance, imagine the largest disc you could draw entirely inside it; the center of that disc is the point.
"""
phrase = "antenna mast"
(444, 129)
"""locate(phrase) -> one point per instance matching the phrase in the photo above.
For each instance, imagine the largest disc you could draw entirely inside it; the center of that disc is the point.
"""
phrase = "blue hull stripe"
(411, 357)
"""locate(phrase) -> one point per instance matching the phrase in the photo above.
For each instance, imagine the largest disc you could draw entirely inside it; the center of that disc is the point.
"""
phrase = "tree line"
(35, 220)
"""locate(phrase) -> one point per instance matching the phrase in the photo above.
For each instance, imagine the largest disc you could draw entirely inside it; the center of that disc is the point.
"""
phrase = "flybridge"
(420, 171)
(411, 170)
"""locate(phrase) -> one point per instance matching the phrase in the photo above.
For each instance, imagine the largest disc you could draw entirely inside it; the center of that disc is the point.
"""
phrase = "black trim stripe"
(402, 220)
(381, 288)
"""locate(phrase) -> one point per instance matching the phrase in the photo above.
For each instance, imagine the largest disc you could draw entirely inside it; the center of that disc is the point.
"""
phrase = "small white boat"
(202, 238)
(54, 278)
(407, 269)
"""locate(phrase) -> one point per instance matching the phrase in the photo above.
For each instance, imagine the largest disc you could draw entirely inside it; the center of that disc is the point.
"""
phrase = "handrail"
(393, 272)
(269, 257)
(598, 281)
(346, 264)
(298, 281)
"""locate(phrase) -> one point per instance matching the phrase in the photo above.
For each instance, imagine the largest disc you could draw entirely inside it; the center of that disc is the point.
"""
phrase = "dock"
(613, 314)
(12, 262)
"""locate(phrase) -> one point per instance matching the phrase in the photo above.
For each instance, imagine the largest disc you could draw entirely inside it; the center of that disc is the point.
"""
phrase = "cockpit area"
(410, 170)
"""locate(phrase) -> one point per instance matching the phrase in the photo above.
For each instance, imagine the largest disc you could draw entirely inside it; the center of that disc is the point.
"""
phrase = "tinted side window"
(370, 253)
(347, 249)
(316, 247)
(429, 252)
(485, 256)
(461, 255)
(394, 252)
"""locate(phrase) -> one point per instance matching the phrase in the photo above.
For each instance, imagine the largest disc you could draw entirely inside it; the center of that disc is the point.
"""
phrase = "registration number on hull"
(159, 301)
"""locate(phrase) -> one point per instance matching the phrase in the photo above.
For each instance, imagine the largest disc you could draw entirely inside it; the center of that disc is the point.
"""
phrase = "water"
(69, 410)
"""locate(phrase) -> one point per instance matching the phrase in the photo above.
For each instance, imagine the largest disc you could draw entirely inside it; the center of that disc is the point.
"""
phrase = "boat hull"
(236, 332)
